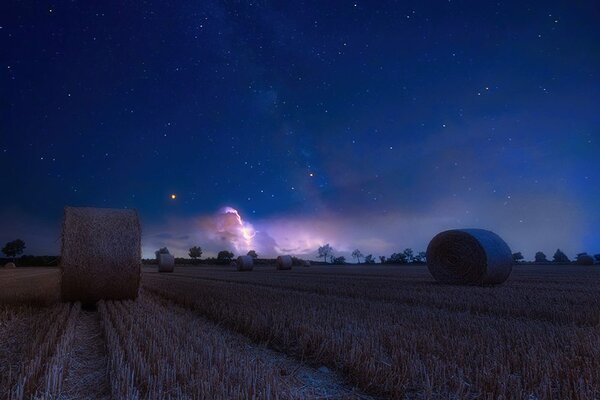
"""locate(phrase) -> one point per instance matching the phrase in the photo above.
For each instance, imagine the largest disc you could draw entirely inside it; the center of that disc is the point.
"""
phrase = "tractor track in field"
(193, 336)
(85, 376)
(76, 364)
(303, 380)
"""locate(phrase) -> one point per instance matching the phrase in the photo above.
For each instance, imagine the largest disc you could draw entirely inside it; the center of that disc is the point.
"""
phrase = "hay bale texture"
(10, 265)
(284, 262)
(100, 254)
(469, 256)
(245, 263)
(166, 263)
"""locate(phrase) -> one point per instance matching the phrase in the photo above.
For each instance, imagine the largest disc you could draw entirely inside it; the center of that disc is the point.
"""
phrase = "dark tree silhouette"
(397, 258)
(408, 253)
(195, 252)
(357, 254)
(585, 259)
(382, 259)
(339, 260)
(225, 256)
(252, 253)
(597, 257)
(540, 257)
(517, 256)
(163, 250)
(14, 248)
(370, 259)
(420, 257)
(325, 251)
(560, 257)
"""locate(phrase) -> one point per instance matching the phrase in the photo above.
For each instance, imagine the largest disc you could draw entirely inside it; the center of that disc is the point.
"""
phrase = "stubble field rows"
(398, 334)
(565, 299)
(319, 332)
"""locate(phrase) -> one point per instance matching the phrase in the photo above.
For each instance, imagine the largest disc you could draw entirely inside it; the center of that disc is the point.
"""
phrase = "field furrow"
(159, 350)
(32, 338)
(397, 350)
(86, 366)
(507, 301)
(310, 333)
(31, 286)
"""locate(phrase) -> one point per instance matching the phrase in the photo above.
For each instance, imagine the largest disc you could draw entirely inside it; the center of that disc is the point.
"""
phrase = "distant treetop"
(560, 257)
(14, 248)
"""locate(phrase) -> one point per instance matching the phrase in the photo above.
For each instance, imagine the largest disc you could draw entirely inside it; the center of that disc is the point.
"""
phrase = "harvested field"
(573, 297)
(395, 333)
(39, 286)
(324, 332)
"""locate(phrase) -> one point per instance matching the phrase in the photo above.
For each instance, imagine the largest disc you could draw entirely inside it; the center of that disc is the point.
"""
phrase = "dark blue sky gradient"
(388, 120)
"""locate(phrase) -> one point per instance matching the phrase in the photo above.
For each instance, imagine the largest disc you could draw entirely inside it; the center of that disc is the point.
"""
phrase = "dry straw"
(101, 254)
(10, 265)
(245, 263)
(166, 263)
(469, 256)
(284, 262)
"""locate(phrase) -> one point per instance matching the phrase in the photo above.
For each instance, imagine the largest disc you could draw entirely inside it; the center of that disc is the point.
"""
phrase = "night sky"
(363, 124)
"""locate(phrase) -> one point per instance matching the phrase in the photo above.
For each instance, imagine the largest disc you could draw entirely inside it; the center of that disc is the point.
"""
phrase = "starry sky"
(284, 125)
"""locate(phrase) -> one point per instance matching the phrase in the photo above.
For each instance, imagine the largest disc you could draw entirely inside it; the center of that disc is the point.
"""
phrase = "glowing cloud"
(374, 233)
(228, 226)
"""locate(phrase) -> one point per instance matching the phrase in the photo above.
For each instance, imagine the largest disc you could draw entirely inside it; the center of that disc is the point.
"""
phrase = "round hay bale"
(469, 256)
(284, 262)
(100, 254)
(585, 259)
(10, 265)
(166, 263)
(245, 263)
(305, 263)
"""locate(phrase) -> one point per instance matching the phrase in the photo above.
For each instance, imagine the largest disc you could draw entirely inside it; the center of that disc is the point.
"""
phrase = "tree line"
(407, 256)
(559, 257)
(16, 248)
(224, 257)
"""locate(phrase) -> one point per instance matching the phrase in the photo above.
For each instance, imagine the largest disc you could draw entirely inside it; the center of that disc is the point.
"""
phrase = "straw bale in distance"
(284, 262)
(101, 254)
(166, 263)
(10, 265)
(469, 256)
(245, 263)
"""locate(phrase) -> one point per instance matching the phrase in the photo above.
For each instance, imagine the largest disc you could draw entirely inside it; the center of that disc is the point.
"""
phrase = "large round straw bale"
(284, 262)
(245, 263)
(305, 263)
(166, 262)
(585, 259)
(469, 256)
(101, 254)
(10, 265)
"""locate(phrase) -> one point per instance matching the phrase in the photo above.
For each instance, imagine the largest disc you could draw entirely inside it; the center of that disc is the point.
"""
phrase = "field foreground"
(320, 332)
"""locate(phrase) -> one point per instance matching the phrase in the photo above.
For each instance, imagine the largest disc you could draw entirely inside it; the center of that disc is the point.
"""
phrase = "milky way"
(359, 124)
